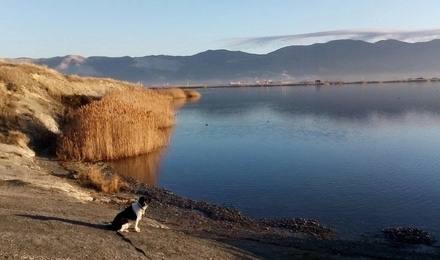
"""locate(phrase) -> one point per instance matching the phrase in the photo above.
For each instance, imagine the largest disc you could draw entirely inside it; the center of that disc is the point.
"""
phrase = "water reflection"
(178, 103)
(337, 102)
(143, 168)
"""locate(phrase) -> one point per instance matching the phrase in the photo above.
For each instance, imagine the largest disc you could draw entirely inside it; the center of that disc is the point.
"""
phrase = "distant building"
(235, 83)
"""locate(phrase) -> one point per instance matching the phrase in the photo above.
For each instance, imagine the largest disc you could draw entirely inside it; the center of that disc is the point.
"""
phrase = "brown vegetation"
(14, 138)
(31, 99)
(95, 178)
(127, 121)
(121, 124)
(175, 93)
(179, 93)
(192, 94)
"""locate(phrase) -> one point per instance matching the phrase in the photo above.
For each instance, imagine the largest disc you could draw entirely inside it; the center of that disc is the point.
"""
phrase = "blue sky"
(44, 28)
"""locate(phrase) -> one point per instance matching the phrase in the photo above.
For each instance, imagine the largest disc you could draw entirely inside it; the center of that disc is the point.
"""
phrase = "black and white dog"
(131, 214)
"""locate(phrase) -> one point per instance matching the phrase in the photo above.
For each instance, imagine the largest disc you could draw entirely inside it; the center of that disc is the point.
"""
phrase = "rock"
(153, 223)
(48, 122)
(308, 226)
(16, 150)
(211, 211)
(408, 235)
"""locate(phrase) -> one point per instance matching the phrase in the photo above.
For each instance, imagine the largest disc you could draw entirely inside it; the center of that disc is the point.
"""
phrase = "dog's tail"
(107, 225)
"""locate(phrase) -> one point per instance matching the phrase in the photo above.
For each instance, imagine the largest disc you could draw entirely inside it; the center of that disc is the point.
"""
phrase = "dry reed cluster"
(179, 93)
(192, 94)
(93, 177)
(121, 124)
(175, 93)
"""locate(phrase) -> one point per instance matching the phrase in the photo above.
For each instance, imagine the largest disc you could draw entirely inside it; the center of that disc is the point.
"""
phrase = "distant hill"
(335, 60)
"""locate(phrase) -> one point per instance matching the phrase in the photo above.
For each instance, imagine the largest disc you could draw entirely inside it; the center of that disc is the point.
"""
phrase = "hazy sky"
(43, 28)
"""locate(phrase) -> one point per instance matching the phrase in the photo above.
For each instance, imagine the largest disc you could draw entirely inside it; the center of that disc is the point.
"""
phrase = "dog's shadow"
(65, 220)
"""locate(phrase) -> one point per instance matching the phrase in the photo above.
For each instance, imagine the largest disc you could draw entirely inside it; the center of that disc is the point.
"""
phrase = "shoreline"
(163, 197)
(223, 233)
(317, 83)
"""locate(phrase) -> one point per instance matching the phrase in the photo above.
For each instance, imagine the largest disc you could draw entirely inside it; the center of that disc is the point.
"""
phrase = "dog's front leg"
(136, 227)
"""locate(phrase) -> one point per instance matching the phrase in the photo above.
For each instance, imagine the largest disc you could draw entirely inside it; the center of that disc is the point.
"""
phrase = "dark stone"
(408, 235)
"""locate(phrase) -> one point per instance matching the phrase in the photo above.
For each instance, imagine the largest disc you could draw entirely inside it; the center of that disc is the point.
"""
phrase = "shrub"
(94, 177)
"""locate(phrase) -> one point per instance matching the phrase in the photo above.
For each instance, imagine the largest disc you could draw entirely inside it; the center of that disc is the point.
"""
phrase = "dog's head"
(143, 201)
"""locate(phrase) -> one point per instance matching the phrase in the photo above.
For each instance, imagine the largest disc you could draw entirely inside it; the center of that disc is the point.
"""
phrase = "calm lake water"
(357, 157)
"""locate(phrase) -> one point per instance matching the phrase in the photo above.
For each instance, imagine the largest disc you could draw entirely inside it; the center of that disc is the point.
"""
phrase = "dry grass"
(31, 98)
(179, 93)
(126, 121)
(95, 178)
(14, 138)
(175, 93)
(44, 86)
(192, 94)
(121, 124)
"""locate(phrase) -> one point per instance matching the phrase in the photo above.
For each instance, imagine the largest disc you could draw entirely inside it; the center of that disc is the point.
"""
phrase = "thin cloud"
(364, 35)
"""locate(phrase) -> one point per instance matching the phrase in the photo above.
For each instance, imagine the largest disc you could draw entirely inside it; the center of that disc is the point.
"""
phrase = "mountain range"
(334, 60)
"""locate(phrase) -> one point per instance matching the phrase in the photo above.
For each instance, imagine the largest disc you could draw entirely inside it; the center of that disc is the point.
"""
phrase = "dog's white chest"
(138, 210)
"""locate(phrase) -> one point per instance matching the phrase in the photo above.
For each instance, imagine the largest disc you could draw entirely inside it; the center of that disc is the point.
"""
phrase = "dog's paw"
(137, 229)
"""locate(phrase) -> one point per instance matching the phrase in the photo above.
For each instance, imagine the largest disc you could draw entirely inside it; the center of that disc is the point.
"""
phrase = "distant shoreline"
(306, 83)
